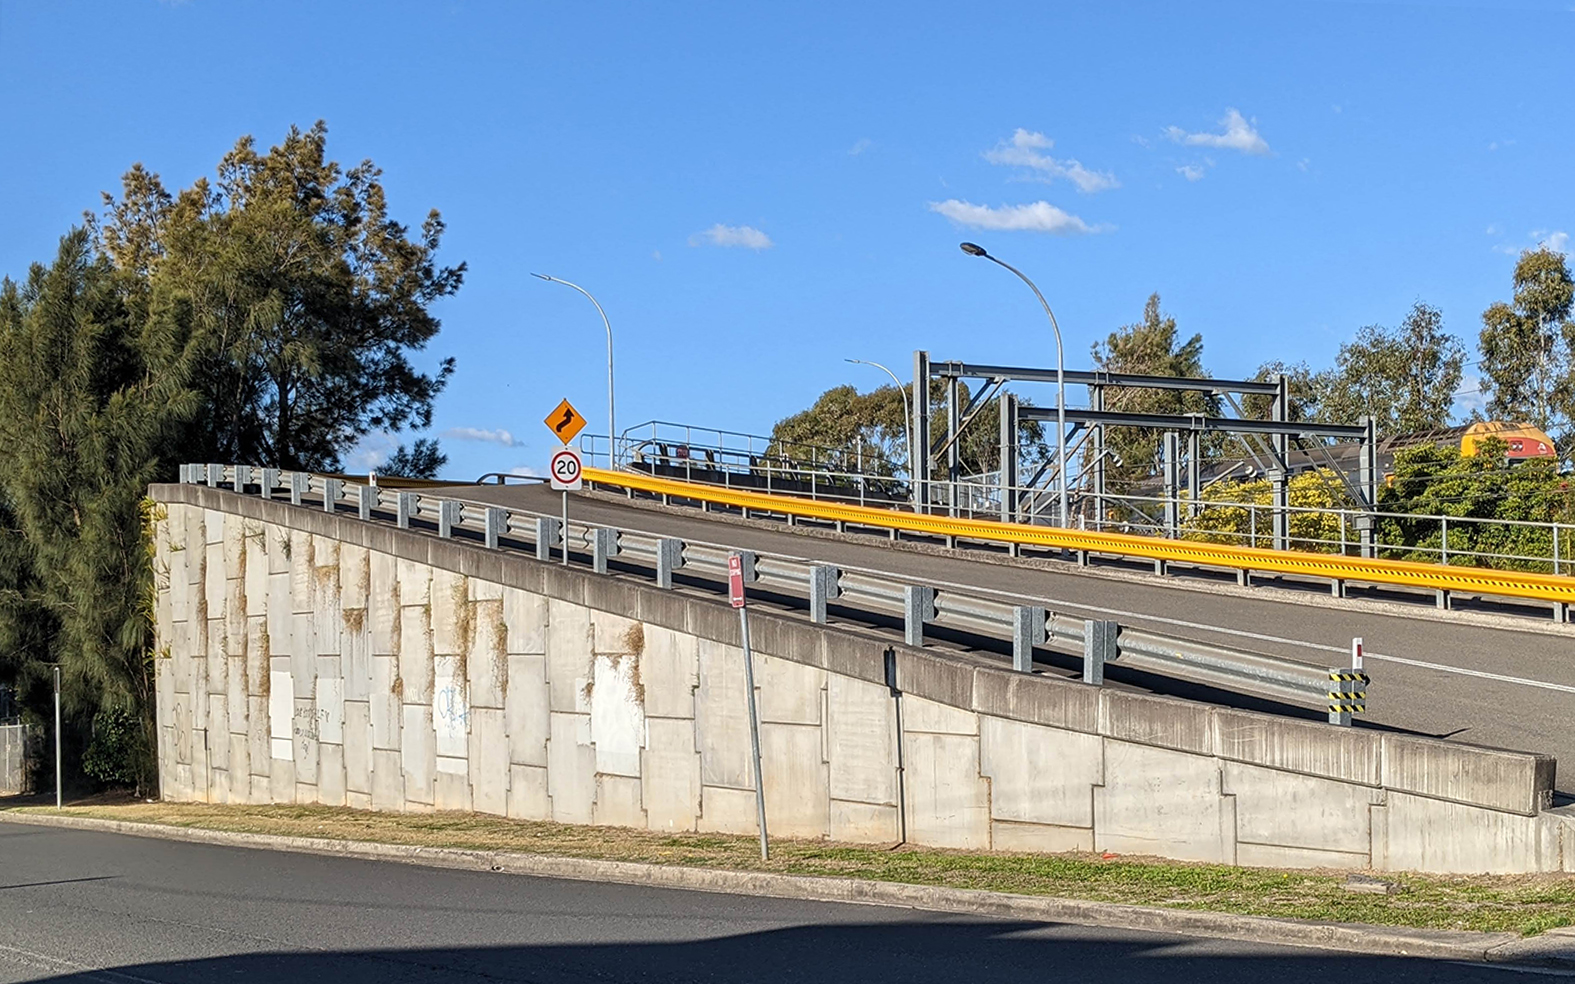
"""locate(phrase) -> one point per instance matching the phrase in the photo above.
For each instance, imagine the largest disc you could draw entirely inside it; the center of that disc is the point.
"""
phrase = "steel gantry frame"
(1268, 442)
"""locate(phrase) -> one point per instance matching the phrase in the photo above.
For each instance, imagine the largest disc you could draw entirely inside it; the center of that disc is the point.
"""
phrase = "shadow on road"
(947, 951)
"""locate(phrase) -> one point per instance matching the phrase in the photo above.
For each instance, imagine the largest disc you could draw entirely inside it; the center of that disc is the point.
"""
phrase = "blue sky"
(756, 192)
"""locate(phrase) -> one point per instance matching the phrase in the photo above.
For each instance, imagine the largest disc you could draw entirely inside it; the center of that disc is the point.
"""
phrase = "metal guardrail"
(1244, 561)
(1340, 691)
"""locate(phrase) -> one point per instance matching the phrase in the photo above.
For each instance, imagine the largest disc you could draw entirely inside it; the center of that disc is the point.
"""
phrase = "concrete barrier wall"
(314, 658)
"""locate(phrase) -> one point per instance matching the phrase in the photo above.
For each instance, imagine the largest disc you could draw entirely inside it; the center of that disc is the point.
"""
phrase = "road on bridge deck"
(78, 906)
(1531, 711)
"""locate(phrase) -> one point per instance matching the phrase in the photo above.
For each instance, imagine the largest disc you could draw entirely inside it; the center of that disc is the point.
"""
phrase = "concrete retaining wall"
(315, 658)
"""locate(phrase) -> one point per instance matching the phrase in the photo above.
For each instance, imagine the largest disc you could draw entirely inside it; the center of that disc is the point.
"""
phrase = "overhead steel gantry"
(1268, 442)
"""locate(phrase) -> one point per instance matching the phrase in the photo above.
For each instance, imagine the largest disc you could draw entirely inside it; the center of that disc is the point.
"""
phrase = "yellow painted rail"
(1463, 580)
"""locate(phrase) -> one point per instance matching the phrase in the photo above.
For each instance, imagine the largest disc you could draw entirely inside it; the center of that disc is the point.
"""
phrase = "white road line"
(45, 962)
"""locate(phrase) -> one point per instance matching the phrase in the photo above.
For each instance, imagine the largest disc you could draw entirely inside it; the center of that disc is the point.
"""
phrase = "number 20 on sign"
(565, 470)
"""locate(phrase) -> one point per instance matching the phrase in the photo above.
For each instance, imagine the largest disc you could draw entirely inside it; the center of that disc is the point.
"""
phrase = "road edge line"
(1474, 947)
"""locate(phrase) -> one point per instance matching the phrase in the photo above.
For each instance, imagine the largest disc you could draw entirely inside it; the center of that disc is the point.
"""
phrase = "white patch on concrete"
(617, 719)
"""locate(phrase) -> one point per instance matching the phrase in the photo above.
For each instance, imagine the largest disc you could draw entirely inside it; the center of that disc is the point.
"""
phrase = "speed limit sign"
(565, 470)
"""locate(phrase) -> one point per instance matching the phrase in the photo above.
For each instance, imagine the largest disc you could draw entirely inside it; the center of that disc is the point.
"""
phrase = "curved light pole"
(907, 413)
(612, 429)
(1060, 370)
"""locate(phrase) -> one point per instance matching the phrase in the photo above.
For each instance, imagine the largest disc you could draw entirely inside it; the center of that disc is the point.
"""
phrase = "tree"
(1302, 384)
(91, 388)
(1406, 378)
(1149, 347)
(424, 459)
(308, 299)
(1528, 348)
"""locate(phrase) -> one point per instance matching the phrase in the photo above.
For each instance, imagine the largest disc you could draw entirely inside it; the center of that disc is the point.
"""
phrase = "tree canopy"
(1405, 378)
(1528, 348)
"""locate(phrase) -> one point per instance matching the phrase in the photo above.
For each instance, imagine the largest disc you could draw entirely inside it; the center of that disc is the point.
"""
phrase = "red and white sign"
(735, 580)
(566, 470)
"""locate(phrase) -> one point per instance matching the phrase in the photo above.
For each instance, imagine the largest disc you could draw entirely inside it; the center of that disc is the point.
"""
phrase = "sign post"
(735, 595)
(566, 470)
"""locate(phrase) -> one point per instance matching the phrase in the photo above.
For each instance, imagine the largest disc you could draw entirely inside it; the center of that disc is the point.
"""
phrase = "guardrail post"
(299, 483)
(405, 508)
(918, 607)
(270, 479)
(1337, 587)
(366, 498)
(604, 545)
(448, 517)
(1028, 631)
(215, 475)
(1100, 646)
(497, 522)
(547, 530)
(822, 588)
(332, 489)
(243, 477)
(669, 557)
(1441, 598)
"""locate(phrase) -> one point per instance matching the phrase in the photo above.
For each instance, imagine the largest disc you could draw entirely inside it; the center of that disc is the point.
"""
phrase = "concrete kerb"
(1556, 949)
(1309, 599)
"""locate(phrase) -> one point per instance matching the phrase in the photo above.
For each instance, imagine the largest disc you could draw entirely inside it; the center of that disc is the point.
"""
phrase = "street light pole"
(1060, 370)
(612, 428)
(907, 417)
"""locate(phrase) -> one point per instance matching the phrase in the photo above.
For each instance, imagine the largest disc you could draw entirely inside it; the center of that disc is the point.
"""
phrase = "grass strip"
(1526, 904)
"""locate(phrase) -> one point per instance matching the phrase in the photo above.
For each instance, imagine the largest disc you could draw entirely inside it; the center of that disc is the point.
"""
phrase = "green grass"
(1526, 904)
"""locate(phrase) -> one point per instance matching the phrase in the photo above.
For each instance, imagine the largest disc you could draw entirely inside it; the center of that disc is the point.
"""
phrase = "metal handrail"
(1284, 679)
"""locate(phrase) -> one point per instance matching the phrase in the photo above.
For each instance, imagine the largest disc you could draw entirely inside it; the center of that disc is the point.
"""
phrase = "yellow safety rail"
(1334, 567)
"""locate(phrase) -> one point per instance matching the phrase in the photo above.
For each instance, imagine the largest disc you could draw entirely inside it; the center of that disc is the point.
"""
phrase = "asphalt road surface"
(1505, 686)
(79, 906)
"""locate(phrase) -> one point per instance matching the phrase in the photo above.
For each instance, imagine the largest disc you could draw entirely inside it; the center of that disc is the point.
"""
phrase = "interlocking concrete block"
(1168, 722)
(861, 741)
(1040, 776)
(219, 786)
(281, 782)
(382, 604)
(255, 579)
(489, 761)
(618, 802)
(571, 768)
(1164, 802)
(1035, 699)
(355, 575)
(1417, 833)
(948, 803)
(728, 811)
(258, 654)
(488, 664)
(415, 655)
(617, 719)
(864, 823)
(240, 765)
(304, 741)
(669, 671)
(450, 708)
(330, 699)
(450, 613)
(722, 717)
(414, 581)
(418, 754)
(798, 798)
(257, 736)
(355, 649)
(569, 665)
(451, 788)
(670, 774)
(303, 653)
(215, 584)
(1287, 810)
(920, 715)
(358, 747)
(385, 703)
(615, 635)
(217, 727)
(1517, 782)
(525, 615)
(235, 694)
(328, 622)
(388, 781)
(789, 692)
(1039, 838)
(235, 617)
(331, 775)
(528, 799)
(281, 620)
(302, 566)
(526, 711)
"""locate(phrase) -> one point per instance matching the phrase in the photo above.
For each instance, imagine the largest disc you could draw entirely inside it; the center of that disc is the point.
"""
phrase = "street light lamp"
(973, 249)
(907, 415)
(612, 429)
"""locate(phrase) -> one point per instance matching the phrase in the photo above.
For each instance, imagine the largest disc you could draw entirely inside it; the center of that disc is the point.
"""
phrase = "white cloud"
(1192, 172)
(527, 471)
(726, 235)
(1469, 397)
(1239, 134)
(1023, 151)
(1559, 242)
(1035, 217)
(863, 144)
(370, 452)
(1494, 229)
(500, 436)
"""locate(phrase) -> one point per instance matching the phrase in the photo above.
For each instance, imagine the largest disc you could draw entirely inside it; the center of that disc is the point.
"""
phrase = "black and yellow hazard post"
(1348, 688)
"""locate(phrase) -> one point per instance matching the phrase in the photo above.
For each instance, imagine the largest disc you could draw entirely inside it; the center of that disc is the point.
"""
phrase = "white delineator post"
(735, 595)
